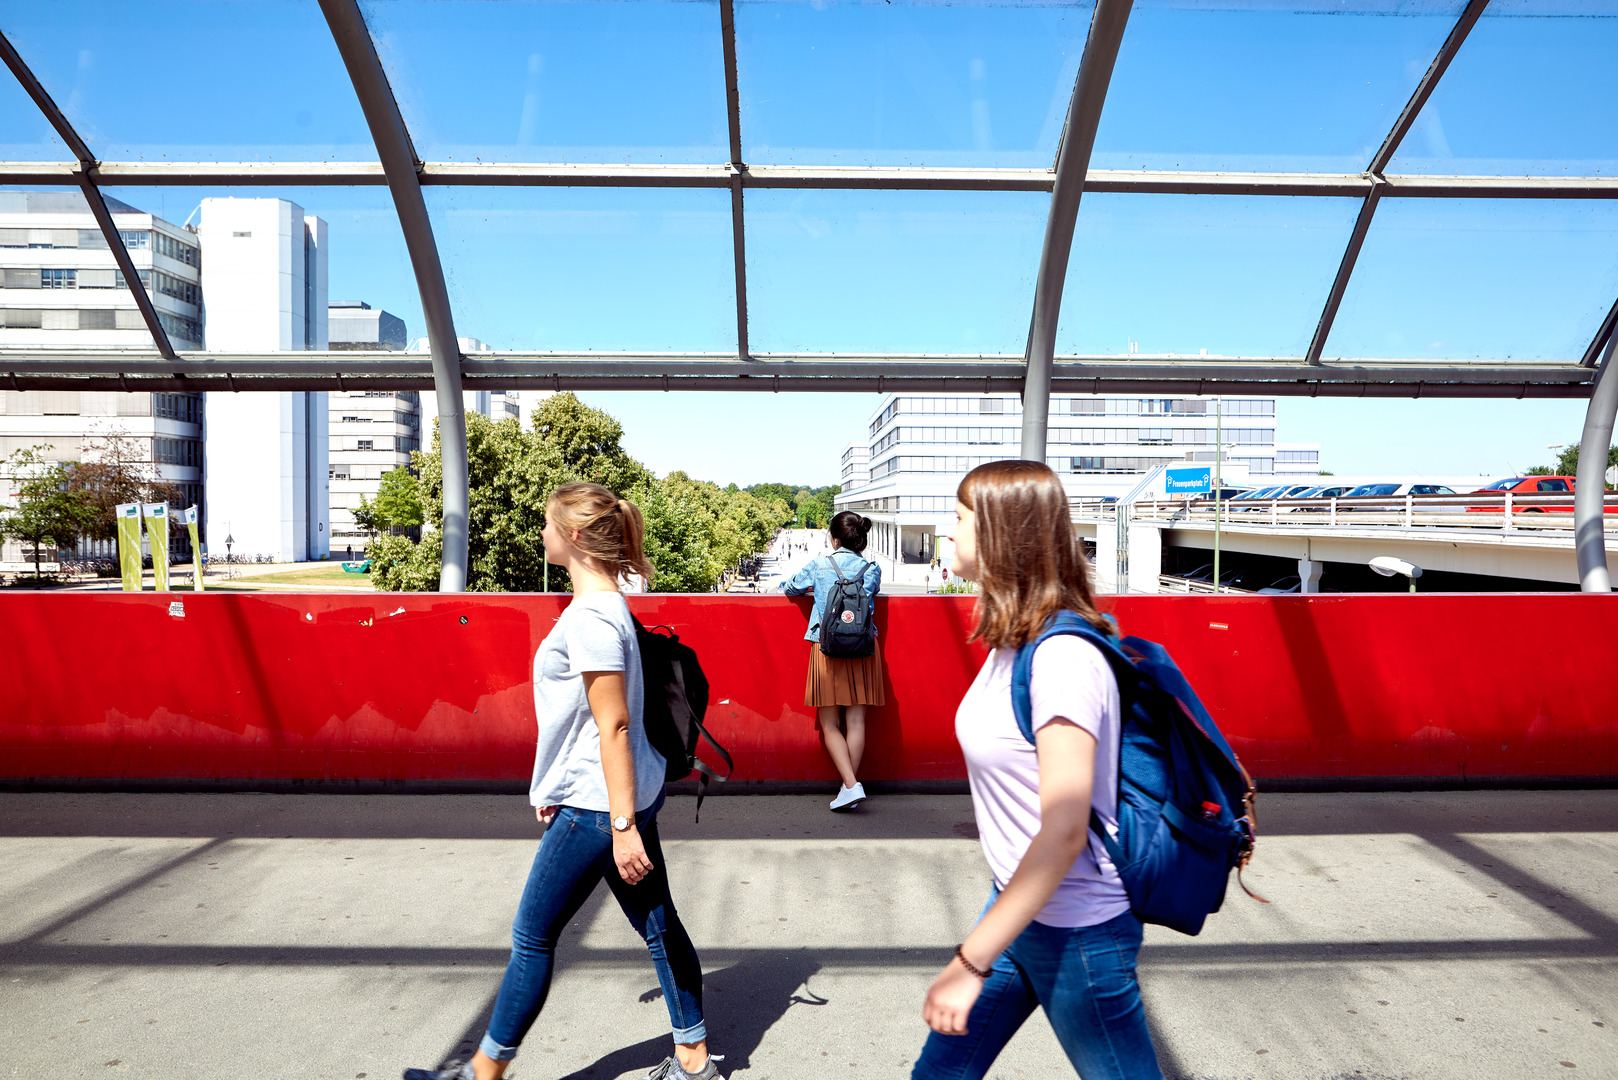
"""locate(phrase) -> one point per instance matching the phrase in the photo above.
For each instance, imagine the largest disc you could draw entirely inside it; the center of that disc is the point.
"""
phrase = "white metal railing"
(1511, 511)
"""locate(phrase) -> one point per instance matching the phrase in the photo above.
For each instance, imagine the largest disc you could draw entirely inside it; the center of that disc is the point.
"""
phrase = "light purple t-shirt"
(1071, 680)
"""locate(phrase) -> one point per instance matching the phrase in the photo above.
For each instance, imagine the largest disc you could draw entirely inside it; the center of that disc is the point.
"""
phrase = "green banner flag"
(188, 518)
(157, 534)
(129, 545)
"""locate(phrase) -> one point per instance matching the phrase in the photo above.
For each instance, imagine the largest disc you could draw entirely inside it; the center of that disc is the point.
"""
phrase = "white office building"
(903, 474)
(264, 275)
(372, 432)
(61, 288)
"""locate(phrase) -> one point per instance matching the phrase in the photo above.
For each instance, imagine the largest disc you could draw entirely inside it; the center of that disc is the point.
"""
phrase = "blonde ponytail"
(603, 526)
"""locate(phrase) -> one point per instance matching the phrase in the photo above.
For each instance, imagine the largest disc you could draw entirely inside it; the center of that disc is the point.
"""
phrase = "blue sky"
(1252, 84)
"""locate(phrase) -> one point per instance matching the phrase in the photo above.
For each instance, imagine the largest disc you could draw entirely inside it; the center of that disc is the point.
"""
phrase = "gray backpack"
(847, 629)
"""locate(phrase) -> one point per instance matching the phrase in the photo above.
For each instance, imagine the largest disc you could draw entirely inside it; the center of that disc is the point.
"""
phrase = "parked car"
(1523, 489)
(1289, 584)
(1281, 491)
(1392, 491)
(1325, 491)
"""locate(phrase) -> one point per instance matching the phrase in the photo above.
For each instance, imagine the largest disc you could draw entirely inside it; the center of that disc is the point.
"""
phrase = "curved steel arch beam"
(1072, 164)
(1379, 163)
(84, 177)
(401, 167)
(1590, 484)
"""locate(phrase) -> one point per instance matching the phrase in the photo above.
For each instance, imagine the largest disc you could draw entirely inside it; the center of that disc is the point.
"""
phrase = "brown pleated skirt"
(836, 681)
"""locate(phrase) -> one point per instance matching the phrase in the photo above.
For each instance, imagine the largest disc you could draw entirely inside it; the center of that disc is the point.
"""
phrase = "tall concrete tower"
(265, 261)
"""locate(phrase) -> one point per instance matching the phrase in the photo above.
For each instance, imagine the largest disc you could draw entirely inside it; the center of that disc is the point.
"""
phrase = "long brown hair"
(610, 529)
(1030, 563)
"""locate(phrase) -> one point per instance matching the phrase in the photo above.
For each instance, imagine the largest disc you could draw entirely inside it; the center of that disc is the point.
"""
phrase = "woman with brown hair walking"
(840, 689)
(1058, 932)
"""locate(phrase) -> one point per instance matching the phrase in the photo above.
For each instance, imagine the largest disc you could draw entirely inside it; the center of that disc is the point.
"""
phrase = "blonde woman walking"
(597, 787)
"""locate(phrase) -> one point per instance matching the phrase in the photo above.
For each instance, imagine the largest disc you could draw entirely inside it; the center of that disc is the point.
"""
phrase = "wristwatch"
(621, 823)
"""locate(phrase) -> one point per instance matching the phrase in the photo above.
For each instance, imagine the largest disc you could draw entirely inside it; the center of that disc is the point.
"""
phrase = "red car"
(1524, 489)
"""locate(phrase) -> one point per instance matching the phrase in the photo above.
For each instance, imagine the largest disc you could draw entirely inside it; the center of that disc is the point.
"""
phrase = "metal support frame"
(400, 165)
(1590, 487)
(1072, 165)
(83, 175)
(738, 171)
(1603, 333)
(1379, 163)
(808, 177)
(99, 369)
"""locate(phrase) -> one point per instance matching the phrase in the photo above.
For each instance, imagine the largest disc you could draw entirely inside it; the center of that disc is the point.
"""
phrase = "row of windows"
(1071, 436)
(52, 238)
(1113, 464)
(163, 244)
(169, 285)
(182, 328)
(1086, 406)
(1298, 457)
(72, 319)
(407, 419)
(403, 444)
(177, 451)
(177, 250)
(412, 396)
(184, 407)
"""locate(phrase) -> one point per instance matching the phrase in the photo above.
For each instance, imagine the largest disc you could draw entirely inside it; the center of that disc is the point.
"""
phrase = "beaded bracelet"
(968, 965)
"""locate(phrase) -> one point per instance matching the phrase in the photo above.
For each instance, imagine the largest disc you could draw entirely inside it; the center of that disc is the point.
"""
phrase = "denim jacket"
(817, 577)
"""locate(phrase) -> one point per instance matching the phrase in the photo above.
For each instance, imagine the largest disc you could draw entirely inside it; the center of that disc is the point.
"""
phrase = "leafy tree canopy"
(397, 505)
(694, 529)
(49, 512)
(114, 471)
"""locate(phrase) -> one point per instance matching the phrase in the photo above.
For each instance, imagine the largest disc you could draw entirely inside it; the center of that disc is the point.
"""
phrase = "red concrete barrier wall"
(428, 688)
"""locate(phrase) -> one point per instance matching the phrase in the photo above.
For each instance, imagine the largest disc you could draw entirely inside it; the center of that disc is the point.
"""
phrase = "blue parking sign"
(1197, 480)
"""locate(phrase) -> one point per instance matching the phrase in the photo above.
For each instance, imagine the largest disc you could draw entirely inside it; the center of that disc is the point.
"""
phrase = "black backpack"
(676, 701)
(847, 630)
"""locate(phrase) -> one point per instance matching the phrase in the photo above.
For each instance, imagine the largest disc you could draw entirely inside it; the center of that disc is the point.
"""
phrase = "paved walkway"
(1465, 935)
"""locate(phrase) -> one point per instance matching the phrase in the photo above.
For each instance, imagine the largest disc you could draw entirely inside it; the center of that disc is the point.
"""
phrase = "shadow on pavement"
(743, 1001)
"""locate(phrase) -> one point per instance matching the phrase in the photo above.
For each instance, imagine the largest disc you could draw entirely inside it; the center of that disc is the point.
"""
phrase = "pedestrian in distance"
(1058, 932)
(841, 689)
(597, 788)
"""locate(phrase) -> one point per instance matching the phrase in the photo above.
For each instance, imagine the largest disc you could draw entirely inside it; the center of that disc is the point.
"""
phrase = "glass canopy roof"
(851, 194)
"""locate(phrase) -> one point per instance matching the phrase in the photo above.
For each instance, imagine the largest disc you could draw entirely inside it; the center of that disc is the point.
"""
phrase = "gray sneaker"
(672, 1070)
(462, 1071)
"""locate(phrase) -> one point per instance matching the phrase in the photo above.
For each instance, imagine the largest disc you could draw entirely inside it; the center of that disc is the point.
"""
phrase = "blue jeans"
(574, 856)
(1084, 979)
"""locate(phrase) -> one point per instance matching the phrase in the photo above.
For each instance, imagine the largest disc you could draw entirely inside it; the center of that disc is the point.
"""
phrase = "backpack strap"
(838, 570)
(1022, 700)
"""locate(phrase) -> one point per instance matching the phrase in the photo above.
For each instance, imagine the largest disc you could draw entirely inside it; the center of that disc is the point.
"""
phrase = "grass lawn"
(310, 575)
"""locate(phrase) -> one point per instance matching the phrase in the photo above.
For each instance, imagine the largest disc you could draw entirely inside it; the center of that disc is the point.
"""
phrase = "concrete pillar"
(1310, 570)
(1145, 558)
(1106, 564)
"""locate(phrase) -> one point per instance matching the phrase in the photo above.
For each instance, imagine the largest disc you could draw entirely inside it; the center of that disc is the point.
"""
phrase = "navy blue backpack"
(1185, 804)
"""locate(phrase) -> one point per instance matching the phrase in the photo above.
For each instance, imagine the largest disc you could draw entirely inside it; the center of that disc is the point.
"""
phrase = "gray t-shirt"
(595, 633)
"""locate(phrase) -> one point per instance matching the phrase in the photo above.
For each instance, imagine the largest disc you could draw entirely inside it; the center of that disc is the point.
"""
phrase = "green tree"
(809, 508)
(113, 470)
(397, 505)
(49, 510)
(694, 529)
(1567, 462)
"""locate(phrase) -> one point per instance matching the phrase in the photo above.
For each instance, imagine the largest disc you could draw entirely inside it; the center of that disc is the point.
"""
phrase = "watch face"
(620, 823)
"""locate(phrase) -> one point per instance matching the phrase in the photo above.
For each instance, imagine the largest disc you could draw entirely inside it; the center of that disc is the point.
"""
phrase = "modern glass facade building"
(903, 475)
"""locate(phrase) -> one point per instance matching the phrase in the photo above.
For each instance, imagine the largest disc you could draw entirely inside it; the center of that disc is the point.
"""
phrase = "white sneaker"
(849, 797)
